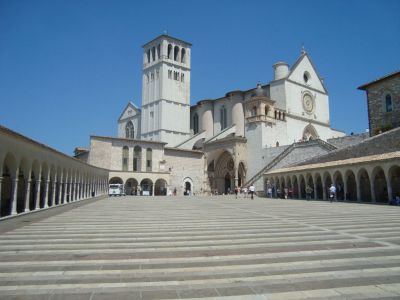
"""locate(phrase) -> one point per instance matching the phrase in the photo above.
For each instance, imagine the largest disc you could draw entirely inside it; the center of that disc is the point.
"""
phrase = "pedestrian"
(236, 192)
(332, 193)
(309, 190)
(286, 192)
(252, 190)
(269, 192)
(245, 192)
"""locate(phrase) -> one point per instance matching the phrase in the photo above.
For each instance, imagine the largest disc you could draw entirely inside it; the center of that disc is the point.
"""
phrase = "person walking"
(252, 190)
(309, 191)
(236, 192)
(332, 193)
(245, 192)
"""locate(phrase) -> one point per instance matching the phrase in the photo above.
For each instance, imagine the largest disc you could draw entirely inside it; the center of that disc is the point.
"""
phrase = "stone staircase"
(285, 153)
(197, 247)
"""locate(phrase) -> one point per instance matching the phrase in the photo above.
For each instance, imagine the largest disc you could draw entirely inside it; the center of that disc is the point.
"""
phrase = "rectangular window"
(148, 165)
(124, 164)
(169, 74)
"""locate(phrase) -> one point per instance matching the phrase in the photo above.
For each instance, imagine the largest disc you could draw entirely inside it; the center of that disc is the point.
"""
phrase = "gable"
(130, 111)
(304, 67)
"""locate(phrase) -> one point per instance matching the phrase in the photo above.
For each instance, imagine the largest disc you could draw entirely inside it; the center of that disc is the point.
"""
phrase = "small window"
(148, 56)
(151, 114)
(157, 73)
(153, 53)
(254, 111)
(169, 74)
(306, 77)
(389, 104)
(195, 123)
(277, 144)
(159, 51)
(183, 77)
(176, 53)
(169, 51)
(152, 76)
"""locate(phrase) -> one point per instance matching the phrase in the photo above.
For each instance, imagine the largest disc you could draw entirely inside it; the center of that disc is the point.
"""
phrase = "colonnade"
(369, 179)
(34, 176)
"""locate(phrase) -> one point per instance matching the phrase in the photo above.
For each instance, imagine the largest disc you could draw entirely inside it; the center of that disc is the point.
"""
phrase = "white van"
(116, 189)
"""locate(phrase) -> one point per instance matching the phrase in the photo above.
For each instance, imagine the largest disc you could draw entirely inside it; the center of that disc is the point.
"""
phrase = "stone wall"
(345, 141)
(379, 119)
(185, 166)
(379, 144)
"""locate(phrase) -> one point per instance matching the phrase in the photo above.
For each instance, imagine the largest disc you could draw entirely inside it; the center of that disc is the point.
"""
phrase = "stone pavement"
(204, 247)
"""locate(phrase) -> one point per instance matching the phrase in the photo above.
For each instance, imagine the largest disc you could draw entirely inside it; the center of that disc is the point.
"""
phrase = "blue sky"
(68, 68)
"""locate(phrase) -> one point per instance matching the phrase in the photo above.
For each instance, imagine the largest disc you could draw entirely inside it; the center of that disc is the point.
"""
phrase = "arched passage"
(310, 183)
(295, 190)
(224, 173)
(365, 185)
(380, 185)
(146, 187)
(131, 186)
(115, 180)
(338, 182)
(319, 187)
(351, 186)
(160, 187)
(302, 187)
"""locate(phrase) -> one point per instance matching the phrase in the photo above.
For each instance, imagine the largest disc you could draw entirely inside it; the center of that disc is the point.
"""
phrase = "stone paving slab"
(202, 248)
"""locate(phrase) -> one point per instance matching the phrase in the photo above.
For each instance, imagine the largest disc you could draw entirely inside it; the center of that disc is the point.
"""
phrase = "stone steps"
(207, 248)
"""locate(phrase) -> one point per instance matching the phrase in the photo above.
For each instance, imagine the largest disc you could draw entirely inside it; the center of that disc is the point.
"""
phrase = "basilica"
(168, 145)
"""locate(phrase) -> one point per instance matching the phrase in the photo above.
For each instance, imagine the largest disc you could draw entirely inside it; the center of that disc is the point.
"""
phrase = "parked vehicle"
(116, 189)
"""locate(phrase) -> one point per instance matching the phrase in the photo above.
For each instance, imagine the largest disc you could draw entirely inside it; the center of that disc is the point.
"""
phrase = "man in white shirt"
(332, 193)
(252, 189)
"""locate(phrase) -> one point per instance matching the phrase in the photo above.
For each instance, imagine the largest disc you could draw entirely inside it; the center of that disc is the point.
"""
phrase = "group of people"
(244, 190)
(289, 192)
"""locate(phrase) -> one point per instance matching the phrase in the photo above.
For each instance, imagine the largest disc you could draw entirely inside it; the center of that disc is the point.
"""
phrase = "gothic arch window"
(125, 158)
(149, 158)
(129, 130)
(158, 51)
(223, 120)
(310, 133)
(183, 55)
(169, 51)
(253, 111)
(195, 123)
(176, 53)
(137, 158)
(388, 103)
(153, 53)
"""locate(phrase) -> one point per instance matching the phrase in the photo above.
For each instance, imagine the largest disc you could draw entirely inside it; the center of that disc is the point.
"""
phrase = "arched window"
(137, 158)
(254, 111)
(158, 51)
(183, 77)
(129, 130)
(149, 157)
(176, 53)
(183, 55)
(125, 158)
(169, 51)
(389, 105)
(224, 122)
(277, 144)
(266, 110)
(148, 56)
(153, 53)
(195, 123)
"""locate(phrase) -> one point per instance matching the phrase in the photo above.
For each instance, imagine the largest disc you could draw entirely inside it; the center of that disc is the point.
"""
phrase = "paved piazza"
(202, 247)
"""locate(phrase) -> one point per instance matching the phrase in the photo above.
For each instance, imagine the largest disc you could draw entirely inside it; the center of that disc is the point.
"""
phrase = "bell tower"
(166, 90)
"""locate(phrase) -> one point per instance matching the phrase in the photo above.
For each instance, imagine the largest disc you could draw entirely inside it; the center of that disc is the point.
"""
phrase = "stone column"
(152, 189)
(323, 190)
(14, 196)
(63, 188)
(37, 194)
(46, 194)
(69, 192)
(358, 189)
(78, 191)
(53, 194)
(60, 184)
(373, 198)
(315, 189)
(389, 186)
(345, 190)
(27, 194)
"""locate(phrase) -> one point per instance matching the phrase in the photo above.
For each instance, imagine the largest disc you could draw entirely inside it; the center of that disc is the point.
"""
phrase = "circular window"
(306, 77)
(308, 103)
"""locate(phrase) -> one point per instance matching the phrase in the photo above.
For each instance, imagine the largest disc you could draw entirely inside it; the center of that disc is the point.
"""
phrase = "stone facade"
(383, 97)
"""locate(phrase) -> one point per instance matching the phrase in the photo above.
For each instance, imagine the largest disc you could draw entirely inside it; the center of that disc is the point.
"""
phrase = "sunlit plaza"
(180, 247)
